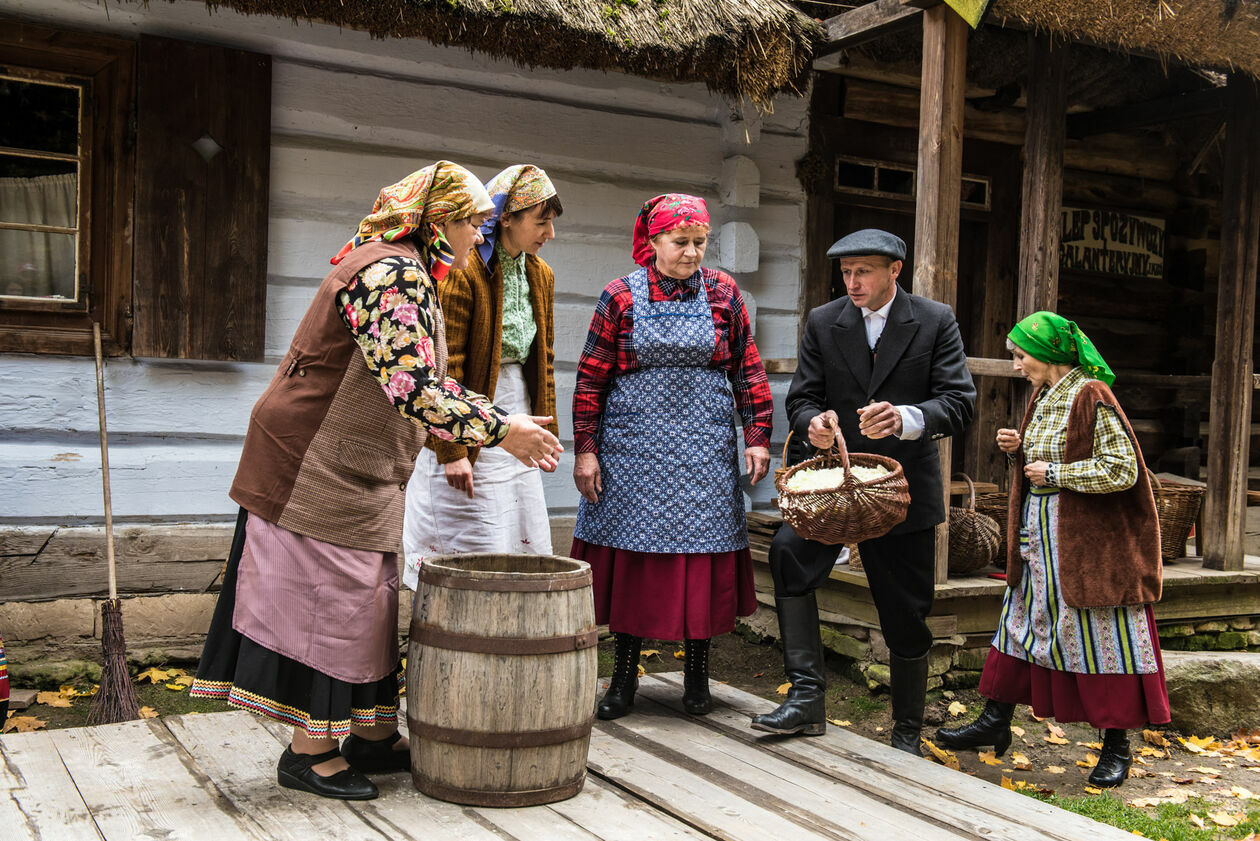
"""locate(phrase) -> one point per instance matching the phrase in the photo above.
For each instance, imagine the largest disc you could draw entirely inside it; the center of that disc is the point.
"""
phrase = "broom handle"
(109, 513)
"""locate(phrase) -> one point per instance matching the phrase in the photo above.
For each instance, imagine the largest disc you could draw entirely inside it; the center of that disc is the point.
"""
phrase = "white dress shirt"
(911, 416)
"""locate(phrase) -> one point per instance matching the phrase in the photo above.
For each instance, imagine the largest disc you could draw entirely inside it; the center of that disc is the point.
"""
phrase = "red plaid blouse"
(609, 352)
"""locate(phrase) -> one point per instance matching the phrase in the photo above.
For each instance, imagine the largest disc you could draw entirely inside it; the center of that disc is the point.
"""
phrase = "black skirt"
(238, 670)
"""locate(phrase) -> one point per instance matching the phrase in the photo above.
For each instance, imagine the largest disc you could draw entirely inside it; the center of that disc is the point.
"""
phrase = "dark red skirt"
(1123, 702)
(669, 597)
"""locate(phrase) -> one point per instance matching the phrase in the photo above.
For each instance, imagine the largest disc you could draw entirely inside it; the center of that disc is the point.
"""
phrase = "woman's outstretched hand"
(531, 442)
(586, 476)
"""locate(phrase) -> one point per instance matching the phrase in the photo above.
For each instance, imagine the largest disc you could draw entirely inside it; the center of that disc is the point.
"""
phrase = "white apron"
(506, 514)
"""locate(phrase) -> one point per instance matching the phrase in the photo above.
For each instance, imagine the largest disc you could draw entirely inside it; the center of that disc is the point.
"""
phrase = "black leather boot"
(805, 710)
(696, 698)
(908, 679)
(992, 727)
(619, 698)
(1113, 765)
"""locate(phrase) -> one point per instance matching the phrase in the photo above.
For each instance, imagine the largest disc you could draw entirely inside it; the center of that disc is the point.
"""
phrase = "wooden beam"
(820, 208)
(1224, 504)
(939, 188)
(1042, 196)
(1153, 112)
(868, 22)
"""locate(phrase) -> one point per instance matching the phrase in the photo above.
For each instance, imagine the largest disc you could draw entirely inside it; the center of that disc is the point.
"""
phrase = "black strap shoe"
(296, 771)
(1115, 761)
(375, 756)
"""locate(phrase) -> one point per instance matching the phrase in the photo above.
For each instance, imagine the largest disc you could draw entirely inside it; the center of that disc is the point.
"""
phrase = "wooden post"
(1042, 196)
(1229, 421)
(939, 187)
(820, 199)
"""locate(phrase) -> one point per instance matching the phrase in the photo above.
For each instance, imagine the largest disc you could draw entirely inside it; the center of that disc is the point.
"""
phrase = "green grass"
(1169, 821)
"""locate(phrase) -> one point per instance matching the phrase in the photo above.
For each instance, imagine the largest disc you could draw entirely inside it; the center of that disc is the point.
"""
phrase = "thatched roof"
(1218, 34)
(749, 48)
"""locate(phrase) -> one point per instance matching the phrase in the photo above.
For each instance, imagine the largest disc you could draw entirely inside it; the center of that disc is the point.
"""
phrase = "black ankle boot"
(805, 710)
(1113, 765)
(619, 698)
(696, 698)
(908, 688)
(992, 727)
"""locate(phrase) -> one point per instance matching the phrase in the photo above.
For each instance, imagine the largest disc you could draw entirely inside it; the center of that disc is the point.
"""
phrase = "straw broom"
(116, 699)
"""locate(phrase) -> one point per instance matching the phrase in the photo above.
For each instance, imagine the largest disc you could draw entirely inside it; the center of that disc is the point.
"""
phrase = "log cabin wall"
(349, 115)
(1160, 326)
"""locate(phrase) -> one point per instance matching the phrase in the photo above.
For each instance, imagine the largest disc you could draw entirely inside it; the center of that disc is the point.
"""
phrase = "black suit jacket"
(920, 363)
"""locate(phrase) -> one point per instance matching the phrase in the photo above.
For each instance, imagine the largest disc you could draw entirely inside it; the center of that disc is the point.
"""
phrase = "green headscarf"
(1055, 340)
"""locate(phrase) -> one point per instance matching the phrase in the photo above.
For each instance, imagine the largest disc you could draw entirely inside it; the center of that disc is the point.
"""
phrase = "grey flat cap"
(868, 242)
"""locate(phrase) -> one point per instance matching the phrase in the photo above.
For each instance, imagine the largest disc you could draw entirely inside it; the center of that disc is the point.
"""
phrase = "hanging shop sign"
(1112, 242)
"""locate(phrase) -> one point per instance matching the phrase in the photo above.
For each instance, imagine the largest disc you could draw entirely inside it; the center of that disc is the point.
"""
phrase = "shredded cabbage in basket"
(831, 477)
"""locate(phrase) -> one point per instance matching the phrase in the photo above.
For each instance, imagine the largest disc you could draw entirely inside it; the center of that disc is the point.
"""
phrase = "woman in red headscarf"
(669, 360)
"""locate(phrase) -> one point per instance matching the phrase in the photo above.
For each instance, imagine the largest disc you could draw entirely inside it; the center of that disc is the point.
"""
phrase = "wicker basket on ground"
(851, 512)
(1178, 507)
(974, 538)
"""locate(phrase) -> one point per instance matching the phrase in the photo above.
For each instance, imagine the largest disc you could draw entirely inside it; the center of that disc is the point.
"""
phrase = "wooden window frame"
(107, 187)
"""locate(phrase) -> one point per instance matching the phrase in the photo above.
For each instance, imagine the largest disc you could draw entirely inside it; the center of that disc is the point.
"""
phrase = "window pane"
(49, 116)
(855, 175)
(896, 181)
(37, 191)
(38, 265)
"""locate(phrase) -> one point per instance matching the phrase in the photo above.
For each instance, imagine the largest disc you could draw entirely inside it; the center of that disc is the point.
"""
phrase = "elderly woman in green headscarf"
(1077, 638)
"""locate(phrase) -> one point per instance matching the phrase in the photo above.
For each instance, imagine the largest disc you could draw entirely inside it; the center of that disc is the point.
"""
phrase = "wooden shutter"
(200, 287)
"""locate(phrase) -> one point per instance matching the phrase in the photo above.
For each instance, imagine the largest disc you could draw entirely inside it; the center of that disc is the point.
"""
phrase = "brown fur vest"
(1107, 544)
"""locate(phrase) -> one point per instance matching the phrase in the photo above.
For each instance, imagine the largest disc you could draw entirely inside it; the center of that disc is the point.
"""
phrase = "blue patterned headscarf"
(515, 188)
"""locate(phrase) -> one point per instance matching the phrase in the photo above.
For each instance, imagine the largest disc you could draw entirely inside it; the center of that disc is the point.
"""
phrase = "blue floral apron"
(667, 451)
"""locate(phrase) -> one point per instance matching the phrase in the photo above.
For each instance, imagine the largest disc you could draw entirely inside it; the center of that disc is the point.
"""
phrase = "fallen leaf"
(23, 724)
(1173, 795)
(179, 687)
(1017, 730)
(1055, 740)
(1139, 773)
(957, 708)
(1090, 745)
(1007, 783)
(1055, 769)
(641, 673)
(989, 757)
(1145, 802)
(759, 674)
(1242, 793)
(148, 712)
(1197, 821)
(840, 722)
(946, 758)
(1224, 818)
(1156, 738)
(680, 655)
(153, 675)
(1207, 772)
(1151, 752)
(651, 652)
(1021, 762)
(1036, 717)
(1181, 781)
(1088, 762)
(784, 687)
(52, 699)
(1092, 790)
(1056, 730)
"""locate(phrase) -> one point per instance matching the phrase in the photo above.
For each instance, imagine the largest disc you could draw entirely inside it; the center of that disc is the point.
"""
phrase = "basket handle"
(838, 447)
(1154, 481)
(971, 490)
(786, 441)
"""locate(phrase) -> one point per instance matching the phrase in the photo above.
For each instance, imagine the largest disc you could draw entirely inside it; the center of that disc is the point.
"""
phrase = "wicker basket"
(852, 512)
(995, 505)
(1178, 507)
(783, 467)
(974, 538)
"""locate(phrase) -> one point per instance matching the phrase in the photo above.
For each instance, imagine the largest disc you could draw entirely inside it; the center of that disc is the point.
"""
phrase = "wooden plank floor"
(656, 774)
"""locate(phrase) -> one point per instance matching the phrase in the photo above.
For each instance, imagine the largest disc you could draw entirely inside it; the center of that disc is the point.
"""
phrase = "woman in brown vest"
(499, 331)
(305, 630)
(1076, 639)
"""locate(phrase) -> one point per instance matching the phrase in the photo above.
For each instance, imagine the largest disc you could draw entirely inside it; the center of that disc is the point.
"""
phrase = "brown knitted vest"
(327, 455)
(1107, 544)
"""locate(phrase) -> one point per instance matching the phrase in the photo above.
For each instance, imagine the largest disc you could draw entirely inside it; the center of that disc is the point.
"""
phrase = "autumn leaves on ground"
(1184, 787)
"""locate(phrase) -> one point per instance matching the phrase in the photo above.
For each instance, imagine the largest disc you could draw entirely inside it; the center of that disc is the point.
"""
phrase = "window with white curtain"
(41, 157)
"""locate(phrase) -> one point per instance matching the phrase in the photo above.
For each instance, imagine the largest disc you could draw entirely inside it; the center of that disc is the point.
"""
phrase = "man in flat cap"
(887, 368)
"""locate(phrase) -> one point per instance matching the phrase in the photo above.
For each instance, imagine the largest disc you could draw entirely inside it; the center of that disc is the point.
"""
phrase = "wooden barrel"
(501, 675)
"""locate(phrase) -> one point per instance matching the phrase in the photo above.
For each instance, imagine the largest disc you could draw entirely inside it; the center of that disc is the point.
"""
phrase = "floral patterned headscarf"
(515, 188)
(1055, 340)
(661, 215)
(417, 205)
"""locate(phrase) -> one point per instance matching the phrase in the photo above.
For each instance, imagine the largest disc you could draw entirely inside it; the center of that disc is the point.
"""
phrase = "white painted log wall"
(351, 114)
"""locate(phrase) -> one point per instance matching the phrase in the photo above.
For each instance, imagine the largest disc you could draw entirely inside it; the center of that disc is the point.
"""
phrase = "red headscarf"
(661, 215)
